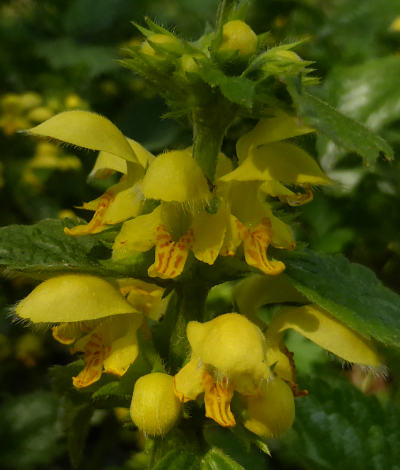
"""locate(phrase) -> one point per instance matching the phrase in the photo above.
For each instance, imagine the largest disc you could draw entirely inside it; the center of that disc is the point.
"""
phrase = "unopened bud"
(238, 36)
(170, 42)
(155, 408)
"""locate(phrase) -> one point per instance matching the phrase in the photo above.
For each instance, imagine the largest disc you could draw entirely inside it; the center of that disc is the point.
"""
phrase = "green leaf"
(340, 427)
(239, 90)
(176, 459)
(61, 377)
(349, 291)
(343, 130)
(43, 249)
(215, 459)
(229, 443)
(77, 425)
(377, 82)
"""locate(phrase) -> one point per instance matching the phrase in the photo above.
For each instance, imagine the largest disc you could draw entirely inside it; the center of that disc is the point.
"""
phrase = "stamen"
(217, 400)
(170, 256)
(96, 225)
(255, 245)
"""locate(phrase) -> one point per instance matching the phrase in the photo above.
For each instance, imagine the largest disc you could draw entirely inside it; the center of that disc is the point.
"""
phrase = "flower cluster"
(190, 216)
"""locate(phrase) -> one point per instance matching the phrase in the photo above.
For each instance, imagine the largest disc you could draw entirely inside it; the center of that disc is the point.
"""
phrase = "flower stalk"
(209, 128)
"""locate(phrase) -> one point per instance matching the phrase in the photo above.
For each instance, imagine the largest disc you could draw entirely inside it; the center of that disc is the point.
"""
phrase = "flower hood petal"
(87, 130)
(175, 176)
(73, 297)
(286, 163)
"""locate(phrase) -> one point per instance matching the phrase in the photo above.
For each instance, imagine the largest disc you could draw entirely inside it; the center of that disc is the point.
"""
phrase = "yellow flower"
(267, 167)
(155, 408)
(319, 326)
(228, 355)
(274, 164)
(180, 223)
(117, 153)
(109, 345)
(92, 313)
(252, 222)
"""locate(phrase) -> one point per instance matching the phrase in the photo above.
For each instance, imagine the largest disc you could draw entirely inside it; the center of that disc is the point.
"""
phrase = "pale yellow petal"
(282, 234)
(245, 203)
(268, 130)
(175, 176)
(322, 328)
(72, 297)
(127, 204)
(286, 163)
(106, 163)
(138, 234)
(121, 202)
(188, 382)
(145, 297)
(144, 156)
(258, 290)
(271, 412)
(124, 347)
(87, 130)
(232, 237)
(209, 232)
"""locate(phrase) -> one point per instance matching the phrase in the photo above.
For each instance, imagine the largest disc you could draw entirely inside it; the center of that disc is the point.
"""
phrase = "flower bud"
(170, 42)
(188, 63)
(154, 407)
(238, 36)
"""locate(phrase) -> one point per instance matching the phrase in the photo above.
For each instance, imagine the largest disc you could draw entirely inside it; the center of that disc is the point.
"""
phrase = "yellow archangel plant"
(231, 354)
(98, 317)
